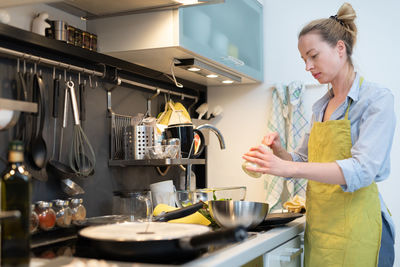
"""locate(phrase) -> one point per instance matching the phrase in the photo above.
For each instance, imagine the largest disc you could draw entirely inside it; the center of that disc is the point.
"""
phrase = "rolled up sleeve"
(370, 159)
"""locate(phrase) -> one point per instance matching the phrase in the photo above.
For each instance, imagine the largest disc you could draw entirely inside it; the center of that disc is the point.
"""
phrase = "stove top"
(65, 242)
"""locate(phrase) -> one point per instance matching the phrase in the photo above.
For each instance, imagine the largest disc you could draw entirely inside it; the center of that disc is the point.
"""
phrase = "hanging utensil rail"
(54, 63)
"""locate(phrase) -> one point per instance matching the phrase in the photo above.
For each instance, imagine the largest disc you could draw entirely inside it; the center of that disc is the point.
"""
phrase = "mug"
(163, 192)
(137, 205)
(185, 132)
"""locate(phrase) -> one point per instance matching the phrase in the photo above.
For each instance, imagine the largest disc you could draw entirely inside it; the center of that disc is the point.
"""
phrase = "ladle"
(38, 145)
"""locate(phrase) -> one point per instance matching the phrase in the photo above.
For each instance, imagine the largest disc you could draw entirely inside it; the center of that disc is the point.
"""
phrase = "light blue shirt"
(373, 123)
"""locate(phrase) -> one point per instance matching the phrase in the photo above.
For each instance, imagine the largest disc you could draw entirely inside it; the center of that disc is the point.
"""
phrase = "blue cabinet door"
(229, 33)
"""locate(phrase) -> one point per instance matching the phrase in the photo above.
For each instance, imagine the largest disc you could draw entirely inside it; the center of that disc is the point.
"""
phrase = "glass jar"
(85, 40)
(70, 35)
(63, 213)
(34, 220)
(78, 210)
(78, 37)
(93, 42)
(47, 216)
(254, 165)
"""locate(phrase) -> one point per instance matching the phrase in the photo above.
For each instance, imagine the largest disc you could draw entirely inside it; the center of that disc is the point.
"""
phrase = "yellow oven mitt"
(297, 204)
(195, 218)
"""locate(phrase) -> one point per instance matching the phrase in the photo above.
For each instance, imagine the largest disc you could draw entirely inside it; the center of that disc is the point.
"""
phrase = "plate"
(280, 218)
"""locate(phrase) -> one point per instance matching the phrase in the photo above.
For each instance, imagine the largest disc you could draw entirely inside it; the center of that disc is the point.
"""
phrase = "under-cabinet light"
(207, 70)
(187, 2)
(227, 81)
(193, 69)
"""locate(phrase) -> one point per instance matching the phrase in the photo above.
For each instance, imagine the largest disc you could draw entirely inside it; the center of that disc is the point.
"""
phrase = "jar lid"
(60, 202)
(44, 204)
(76, 200)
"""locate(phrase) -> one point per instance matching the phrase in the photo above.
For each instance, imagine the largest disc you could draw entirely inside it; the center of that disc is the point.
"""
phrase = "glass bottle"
(34, 221)
(16, 190)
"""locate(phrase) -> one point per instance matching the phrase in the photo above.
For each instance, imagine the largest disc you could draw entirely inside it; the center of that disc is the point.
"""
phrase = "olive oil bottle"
(15, 195)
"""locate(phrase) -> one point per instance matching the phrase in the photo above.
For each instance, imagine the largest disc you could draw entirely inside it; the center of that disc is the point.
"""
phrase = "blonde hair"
(338, 27)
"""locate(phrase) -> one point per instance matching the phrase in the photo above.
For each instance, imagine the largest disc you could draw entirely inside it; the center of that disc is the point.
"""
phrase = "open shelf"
(156, 162)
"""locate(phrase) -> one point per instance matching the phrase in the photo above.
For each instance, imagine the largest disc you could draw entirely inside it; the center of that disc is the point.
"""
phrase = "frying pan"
(161, 243)
(229, 213)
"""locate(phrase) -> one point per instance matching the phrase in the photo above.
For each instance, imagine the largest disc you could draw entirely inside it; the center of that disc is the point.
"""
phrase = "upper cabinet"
(223, 40)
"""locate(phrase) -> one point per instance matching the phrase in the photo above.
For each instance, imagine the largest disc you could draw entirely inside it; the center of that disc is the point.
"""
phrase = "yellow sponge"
(195, 218)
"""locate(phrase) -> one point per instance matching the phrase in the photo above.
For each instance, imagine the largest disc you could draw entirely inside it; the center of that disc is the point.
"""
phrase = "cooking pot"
(185, 132)
(154, 242)
(229, 213)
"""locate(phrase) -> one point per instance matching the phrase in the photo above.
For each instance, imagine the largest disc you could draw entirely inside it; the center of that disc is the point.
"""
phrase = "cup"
(163, 192)
(185, 132)
(135, 204)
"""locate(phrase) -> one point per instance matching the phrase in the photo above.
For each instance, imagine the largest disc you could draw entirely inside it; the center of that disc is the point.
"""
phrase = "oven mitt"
(195, 218)
(297, 204)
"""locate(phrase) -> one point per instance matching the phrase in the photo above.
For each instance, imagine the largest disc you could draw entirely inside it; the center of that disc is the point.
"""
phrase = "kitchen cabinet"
(225, 39)
(289, 254)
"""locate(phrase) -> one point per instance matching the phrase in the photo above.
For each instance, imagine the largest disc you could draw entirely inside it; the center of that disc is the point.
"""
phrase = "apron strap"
(346, 116)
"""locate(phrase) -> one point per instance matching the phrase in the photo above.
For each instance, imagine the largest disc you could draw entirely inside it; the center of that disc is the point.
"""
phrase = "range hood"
(90, 9)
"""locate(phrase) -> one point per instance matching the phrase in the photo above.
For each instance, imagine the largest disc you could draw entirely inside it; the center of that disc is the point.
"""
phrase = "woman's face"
(322, 60)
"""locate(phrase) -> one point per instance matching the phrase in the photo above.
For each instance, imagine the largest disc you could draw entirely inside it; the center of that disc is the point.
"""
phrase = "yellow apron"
(343, 228)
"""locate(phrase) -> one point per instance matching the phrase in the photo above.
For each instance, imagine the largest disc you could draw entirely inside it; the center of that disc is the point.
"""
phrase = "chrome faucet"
(216, 131)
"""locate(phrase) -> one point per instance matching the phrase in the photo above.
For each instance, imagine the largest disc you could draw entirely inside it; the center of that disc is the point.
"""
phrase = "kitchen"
(282, 63)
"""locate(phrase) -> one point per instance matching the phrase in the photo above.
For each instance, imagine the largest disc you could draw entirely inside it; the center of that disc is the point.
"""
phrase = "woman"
(342, 156)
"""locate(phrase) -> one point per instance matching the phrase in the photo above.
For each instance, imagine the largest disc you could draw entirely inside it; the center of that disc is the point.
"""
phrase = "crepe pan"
(152, 242)
(281, 218)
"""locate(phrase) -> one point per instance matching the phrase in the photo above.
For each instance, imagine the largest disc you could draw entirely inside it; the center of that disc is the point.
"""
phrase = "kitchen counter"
(233, 255)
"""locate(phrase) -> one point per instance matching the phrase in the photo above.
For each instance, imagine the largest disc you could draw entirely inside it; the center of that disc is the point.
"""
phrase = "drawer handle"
(236, 61)
(289, 254)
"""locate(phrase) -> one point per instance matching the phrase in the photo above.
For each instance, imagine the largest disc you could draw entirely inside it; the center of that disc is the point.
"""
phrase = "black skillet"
(281, 218)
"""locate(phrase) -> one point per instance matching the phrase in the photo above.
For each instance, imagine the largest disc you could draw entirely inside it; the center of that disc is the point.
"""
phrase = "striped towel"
(286, 117)
(296, 126)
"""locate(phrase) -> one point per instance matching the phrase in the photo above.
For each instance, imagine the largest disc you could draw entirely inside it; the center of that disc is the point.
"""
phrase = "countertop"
(232, 255)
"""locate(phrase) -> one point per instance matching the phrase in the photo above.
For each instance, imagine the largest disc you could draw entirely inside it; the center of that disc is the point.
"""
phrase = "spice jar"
(78, 37)
(63, 213)
(47, 216)
(85, 40)
(78, 210)
(71, 35)
(93, 42)
(34, 220)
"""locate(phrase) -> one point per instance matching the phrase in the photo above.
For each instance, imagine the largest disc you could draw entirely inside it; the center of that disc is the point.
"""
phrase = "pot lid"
(136, 231)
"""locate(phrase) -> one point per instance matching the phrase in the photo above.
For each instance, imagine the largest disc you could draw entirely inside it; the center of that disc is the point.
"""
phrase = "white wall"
(21, 16)
(376, 56)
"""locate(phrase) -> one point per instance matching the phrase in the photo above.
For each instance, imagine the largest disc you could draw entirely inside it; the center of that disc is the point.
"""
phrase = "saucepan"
(230, 213)
(152, 242)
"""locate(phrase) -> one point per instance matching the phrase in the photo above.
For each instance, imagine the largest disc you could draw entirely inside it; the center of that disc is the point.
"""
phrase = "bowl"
(229, 213)
(161, 152)
(186, 197)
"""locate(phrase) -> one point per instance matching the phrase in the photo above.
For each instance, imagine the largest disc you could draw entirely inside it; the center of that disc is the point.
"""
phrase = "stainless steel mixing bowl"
(229, 213)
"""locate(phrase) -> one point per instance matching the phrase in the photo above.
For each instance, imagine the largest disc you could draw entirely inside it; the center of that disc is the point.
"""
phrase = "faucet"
(214, 130)
(221, 144)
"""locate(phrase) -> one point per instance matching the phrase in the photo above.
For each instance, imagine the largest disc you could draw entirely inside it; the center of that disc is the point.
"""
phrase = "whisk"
(81, 158)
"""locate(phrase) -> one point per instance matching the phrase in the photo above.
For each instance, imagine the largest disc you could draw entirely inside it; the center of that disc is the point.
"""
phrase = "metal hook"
(90, 81)
(79, 78)
(17, 64)
(34, 67)
(65, 75)
(194, 103)
(156, 94)
(182, 96)
(54, 73)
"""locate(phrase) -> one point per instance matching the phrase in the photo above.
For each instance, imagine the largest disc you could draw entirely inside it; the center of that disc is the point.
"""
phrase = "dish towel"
(286, 117)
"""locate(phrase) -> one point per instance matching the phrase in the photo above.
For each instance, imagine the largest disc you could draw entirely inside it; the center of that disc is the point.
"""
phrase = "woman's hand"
(266, 160)
(273, 141)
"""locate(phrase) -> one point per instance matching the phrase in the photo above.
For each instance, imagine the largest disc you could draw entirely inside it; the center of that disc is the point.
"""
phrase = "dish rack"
(128, 139)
